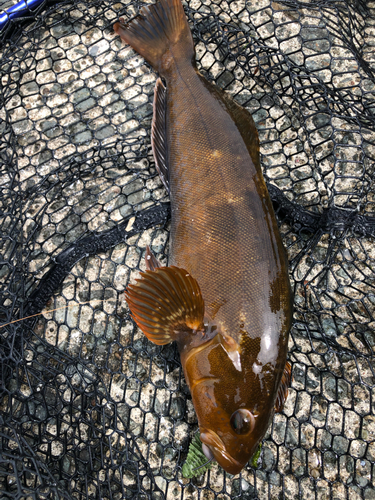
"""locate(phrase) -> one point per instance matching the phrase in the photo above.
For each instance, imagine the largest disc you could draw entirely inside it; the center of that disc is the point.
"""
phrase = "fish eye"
(242, 421)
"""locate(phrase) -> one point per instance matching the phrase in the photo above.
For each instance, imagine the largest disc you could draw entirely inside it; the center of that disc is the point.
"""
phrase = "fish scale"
(224, 243)
(203, 209)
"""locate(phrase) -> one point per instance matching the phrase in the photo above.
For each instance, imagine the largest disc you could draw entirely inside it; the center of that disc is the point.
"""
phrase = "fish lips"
(217, 447)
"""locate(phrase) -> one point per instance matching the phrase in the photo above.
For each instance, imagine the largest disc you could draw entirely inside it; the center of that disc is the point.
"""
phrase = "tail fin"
(158, 29)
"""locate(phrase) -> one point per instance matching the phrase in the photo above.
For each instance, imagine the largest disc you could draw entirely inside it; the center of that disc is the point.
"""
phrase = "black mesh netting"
(89, 409)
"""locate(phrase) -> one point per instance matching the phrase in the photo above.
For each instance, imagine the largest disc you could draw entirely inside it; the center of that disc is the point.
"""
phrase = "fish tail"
(160, 34)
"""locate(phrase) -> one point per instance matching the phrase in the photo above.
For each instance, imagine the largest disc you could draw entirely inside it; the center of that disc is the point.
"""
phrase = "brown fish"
(226, 298)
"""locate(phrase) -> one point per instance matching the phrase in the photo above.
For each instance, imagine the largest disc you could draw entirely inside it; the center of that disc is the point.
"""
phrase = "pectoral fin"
(166, 302)
(283, 389)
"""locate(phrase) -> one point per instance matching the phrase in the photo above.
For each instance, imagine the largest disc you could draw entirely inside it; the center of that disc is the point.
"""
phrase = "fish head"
(238, 440)
(234, 399)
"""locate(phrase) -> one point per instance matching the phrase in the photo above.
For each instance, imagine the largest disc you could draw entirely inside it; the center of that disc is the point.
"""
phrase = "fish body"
(226, 298)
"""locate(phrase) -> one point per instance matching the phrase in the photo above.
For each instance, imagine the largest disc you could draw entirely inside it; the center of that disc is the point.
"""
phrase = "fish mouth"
(217, 448)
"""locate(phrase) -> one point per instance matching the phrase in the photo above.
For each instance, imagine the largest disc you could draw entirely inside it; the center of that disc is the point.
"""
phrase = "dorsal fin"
(159, 132)
(283, 388)
(166, 302)
(244, 121)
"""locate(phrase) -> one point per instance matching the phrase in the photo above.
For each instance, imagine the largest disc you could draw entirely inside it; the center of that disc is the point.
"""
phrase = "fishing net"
(89, 408)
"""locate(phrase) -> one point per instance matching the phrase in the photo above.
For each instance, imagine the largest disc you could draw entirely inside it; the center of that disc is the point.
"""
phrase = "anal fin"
(283, 388)
(159, 132)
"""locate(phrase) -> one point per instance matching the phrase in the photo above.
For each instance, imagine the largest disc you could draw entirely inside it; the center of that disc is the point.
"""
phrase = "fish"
(225, 296)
